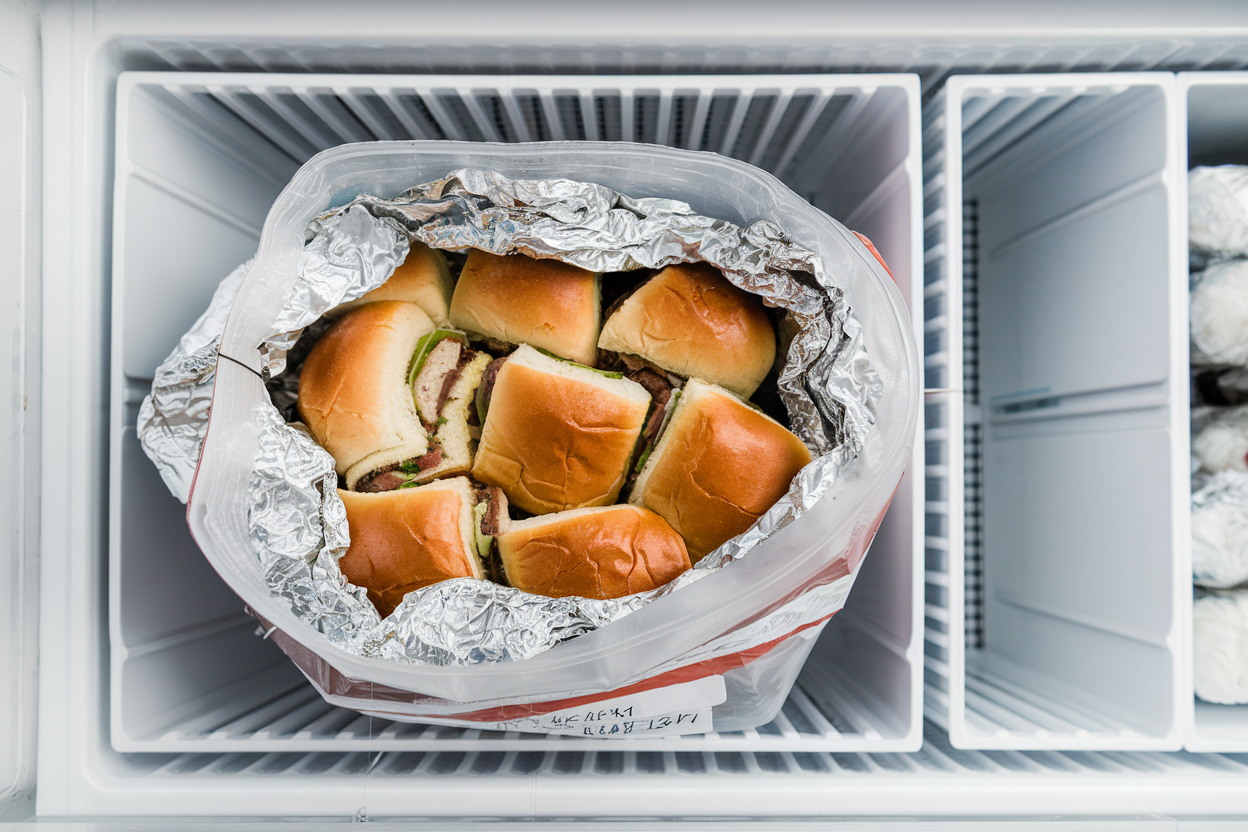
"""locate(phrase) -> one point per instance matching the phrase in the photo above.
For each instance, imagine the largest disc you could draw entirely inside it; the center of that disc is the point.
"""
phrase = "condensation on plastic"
(819, 549)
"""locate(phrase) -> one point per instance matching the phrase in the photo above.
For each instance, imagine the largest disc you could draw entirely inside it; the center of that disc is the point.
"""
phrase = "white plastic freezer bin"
(1062, 288)
(200, 157)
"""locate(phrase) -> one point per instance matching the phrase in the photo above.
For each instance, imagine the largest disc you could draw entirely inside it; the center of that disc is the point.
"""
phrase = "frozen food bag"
(1220, 528)
(1218, 312)
(720, 645)
(1220, 647)
(1217, 199)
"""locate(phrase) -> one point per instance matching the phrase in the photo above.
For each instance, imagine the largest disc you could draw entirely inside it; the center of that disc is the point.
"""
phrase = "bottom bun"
(606, 552)
(407, 539)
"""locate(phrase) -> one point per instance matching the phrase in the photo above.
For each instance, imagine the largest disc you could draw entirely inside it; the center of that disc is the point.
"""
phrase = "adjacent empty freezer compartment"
(1057, 251)
(1214, 129)
(199, 159)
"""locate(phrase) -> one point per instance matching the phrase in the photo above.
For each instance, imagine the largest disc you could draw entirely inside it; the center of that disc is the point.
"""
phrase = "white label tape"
(667, 711)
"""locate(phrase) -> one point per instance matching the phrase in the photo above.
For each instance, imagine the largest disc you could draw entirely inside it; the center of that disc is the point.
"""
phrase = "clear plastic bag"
(751, 623)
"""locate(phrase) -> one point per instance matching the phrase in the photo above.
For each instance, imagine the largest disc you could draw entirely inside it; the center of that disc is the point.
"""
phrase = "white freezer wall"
(1075, 296)
(20, 193)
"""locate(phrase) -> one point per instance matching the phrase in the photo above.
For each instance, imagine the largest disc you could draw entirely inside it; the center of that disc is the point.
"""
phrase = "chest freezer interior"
(168, 704)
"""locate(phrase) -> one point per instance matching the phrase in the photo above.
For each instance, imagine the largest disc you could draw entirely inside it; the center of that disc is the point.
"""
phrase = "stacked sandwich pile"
(506, 426)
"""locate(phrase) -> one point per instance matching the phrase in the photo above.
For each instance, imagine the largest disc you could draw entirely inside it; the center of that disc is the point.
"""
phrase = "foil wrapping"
(173, 418)
(297, 521)
(1220, 529)
(1217, 200)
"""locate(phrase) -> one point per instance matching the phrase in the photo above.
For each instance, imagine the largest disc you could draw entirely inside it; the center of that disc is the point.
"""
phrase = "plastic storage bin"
(198, 159)
(1213, 109)
(1060, 568)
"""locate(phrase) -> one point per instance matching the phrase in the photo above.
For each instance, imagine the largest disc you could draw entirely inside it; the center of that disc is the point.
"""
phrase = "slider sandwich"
(557, 435)
(606, 552)
(423, 279)
(414, 537)
(690, 321)
(515, 299)
(389, 396)
(718, 466)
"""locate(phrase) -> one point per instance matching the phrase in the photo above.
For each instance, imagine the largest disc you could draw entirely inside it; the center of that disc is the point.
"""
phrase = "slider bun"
(558, 436)
(718, 467)
(552, 305)
(689, 320)
(423, 279)
(604, 552)
(410, 538)
(353, 392)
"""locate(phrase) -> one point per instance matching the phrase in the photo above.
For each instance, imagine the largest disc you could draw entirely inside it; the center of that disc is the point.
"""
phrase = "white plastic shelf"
(201, 156)
(1058, 592)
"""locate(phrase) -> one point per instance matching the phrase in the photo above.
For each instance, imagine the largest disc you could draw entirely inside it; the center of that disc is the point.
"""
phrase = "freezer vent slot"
(933, 60)
(936, 757)
(972, 432)
(786, 125)
(941, 421)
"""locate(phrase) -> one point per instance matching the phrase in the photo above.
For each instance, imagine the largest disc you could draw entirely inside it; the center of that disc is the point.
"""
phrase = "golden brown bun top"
(423, 279)
(557, 436)
(718, 467)
(689, 320)
(605, 552)
(552, 305)
(406, 539)
(353, 392)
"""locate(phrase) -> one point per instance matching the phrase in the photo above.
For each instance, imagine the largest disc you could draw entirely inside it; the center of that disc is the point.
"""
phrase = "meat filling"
(494, 499)
(661, 389)
(488, 515)
(401, 473)
(433, 382)
(494, 346)
(487, 386)
(630, 364)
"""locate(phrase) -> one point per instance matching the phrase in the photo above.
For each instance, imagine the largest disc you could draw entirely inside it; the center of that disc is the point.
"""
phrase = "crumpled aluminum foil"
(1217, 199)
(297, 521)
(173, 418)
(1220, 529)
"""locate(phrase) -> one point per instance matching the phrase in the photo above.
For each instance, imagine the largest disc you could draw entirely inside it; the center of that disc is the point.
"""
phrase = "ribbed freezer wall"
(199, 159)
(933, 58)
